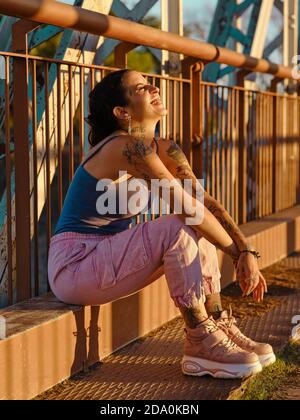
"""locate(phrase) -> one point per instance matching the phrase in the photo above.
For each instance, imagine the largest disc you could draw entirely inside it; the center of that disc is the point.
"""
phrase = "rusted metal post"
(273, 88)
(197, 123)
(21, 140)
(187, 73)
(121, 51)
(242, 165)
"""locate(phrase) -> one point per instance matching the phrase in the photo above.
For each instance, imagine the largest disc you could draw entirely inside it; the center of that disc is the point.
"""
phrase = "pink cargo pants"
(87, 269)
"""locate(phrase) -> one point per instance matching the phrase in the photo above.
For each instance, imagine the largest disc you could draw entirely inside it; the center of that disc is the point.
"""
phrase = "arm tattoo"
(136, 151)
(175, 153)
(184, 171)
(227, 222)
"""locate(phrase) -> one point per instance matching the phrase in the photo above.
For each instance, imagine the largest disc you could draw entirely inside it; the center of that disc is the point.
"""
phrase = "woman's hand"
(249, 277)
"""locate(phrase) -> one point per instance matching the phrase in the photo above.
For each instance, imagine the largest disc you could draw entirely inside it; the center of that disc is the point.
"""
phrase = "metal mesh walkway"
(149, 369)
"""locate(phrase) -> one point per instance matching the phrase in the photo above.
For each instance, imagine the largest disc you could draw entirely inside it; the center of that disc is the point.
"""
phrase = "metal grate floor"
(149, 369)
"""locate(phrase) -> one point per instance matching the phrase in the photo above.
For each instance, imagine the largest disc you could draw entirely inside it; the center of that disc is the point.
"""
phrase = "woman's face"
(144, 100)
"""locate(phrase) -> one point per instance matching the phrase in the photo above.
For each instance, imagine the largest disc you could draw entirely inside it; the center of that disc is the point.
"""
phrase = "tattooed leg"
(213, 305)
(195, 314)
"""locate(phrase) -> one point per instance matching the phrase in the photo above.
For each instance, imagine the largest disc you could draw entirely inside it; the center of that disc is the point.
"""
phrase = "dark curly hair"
(107, 94)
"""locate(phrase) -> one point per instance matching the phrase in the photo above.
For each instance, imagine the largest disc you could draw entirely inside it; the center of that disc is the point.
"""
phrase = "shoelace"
(243, 338)
(211, 327)
(229, 344)
(228, 322)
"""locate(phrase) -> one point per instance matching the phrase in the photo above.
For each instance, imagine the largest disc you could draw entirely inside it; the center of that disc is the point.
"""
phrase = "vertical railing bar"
(290, 153)
(280, 184)
(223, 146)
(269, 156)
(264, 156)
(175, 111)
(227, 198)
(71, 131)
(59, 149)
(206, 138)
(92, 79)
(258, 157)
(8, 182)
(254, 101)
(242, 159)
(202, 116)
(236, 156)
(288, 150)
(261, 175)
(35, 182)
(160, 82)
(274, 131)
(267, 178)
(168, 107)
(81, 117)
(250, 156)
(213, 166)
(237, 153)
(48, 185)
(180, 114)
(230, 151)
(217, 164)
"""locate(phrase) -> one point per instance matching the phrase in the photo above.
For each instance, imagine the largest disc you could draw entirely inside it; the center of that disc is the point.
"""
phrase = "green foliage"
(152, 21)
(141, 59)
(138, 59)
(265, 385)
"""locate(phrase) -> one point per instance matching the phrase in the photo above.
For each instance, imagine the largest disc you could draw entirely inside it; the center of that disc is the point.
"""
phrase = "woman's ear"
(120, 113)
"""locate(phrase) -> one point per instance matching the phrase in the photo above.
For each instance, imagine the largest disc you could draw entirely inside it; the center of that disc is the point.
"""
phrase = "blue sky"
(193, 10)
(201, 11)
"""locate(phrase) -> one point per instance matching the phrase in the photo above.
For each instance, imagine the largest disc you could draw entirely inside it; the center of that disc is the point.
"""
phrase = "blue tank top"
(79, 212)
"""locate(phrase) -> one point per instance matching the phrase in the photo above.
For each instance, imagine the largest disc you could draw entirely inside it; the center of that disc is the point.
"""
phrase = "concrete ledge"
(48, 341)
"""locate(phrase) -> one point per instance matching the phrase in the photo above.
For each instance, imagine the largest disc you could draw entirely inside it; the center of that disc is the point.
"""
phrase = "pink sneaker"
(209, 351)
(264, 351)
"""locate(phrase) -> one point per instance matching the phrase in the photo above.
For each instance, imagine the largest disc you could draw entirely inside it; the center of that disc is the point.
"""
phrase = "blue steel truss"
(223, 32)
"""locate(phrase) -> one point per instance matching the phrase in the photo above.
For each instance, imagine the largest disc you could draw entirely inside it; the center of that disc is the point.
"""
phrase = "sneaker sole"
(267, 359)
(195, 366)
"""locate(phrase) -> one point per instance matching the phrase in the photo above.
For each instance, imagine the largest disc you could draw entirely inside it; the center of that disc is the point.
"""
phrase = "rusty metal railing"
(75, 18)
(252, 178)
(251, 152)
(245, 144)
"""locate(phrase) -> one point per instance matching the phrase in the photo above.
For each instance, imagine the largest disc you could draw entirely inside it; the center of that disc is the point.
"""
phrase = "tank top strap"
(98, 148)
(156, 142)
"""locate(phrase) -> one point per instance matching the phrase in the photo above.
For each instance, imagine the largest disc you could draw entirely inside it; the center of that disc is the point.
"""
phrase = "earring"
(129, 124)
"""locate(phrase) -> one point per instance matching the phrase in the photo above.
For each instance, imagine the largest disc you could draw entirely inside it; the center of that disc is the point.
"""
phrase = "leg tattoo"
(213, 305)
(195, 314)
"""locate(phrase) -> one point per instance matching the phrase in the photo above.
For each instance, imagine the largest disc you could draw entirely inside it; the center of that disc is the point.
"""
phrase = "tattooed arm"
(248, 275)
(177, 163)
(141, 161)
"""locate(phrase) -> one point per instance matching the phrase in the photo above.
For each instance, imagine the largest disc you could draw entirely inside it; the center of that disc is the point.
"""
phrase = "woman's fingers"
(264, 282)
(252, 286)
(258, 294)
(262, 290)
(254, 296)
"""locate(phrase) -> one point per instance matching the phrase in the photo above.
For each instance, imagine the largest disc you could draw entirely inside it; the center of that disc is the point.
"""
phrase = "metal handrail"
(67, 16)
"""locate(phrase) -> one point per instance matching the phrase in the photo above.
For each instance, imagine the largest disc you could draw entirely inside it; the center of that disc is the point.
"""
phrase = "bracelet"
(255, 253)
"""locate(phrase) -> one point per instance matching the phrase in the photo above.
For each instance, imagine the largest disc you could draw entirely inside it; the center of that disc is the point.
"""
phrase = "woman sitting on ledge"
(96, 258)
